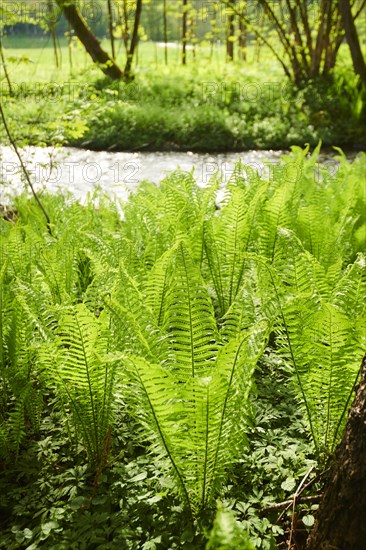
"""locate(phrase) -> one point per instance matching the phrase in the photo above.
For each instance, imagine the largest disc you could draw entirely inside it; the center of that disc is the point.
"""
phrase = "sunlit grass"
(40, 66)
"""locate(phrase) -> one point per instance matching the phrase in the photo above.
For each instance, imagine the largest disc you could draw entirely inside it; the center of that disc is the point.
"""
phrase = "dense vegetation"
(239, 75)
(210, 108)
(177, 370)
(180, 366)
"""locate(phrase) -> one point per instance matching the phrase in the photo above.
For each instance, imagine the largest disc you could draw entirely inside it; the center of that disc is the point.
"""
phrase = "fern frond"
(157, 401)
(156, 286)
(133, 326)
(349, 292)
(330, 371)
(227, 239)
(228, 410)
(251, 304)
(198, 426)
(189, 319)
(77, 365)
(277, 213)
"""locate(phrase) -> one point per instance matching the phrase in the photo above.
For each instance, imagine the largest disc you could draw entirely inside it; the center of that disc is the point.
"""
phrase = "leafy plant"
(142, 335)
(78, 364)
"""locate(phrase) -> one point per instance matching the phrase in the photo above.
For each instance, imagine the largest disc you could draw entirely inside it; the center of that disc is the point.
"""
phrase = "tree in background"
(111, 25)
(359, 63)
(51, 21)
(230, 36)
(184, 31)
(123, 22)
(89, 40)
(310, 34)
(243, 37)
(134, 40)
(92, 45)
(165, 26)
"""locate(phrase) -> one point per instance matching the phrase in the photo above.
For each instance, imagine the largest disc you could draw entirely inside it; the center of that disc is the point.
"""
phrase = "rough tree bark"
(341, 517)
(89, 40)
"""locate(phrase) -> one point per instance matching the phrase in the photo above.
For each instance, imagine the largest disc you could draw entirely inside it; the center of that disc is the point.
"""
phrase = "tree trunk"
(124, 25)
(69, 45)
(341, 521)
(243, 36)
(110, 26)
(358, 60)
(134, 39)
(89, 40)
(184, 31)
(165, 24)
(51, 28)
(230, 35)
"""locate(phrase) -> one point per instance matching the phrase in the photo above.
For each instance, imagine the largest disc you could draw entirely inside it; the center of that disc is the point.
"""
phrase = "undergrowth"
(193, 110)
(168, 375)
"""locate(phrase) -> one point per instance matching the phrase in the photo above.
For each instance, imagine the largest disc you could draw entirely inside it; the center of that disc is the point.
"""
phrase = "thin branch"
(303, 7)
(3, 62)
(360, 10)
(294, 501)
(24, 169)
(312, 499)
(259, 35)
(283, 36)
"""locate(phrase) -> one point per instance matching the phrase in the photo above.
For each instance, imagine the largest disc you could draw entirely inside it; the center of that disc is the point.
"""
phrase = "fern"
(189, 318)
(166, 310)
(198, 424)
(322, 339)
(187, 402)
(78, 366)
(227, 240)
(133, 328)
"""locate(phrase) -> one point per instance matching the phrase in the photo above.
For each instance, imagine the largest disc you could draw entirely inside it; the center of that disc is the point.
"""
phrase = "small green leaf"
(154, 499)
(27, 533)
(187, 536)
(19, 537)
(47, 527)
(139, 477)
(288, 484)
(308, 520)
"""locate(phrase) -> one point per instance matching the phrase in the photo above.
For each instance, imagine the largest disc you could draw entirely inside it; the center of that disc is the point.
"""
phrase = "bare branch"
(24, 169)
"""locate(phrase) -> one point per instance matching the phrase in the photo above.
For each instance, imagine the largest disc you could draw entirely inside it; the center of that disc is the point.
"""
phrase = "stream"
(81, 172)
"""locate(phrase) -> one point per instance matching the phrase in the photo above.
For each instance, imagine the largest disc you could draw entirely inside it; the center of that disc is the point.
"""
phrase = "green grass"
(207, 106)
(150, 57)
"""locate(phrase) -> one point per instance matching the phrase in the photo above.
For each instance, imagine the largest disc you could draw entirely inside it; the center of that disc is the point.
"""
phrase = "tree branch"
(25, 171)
(312, 499)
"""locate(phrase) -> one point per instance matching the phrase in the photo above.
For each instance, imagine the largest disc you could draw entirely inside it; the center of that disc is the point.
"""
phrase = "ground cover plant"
(208, 106)
(169, 374)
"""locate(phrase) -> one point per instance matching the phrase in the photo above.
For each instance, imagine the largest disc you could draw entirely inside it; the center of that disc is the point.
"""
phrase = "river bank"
(83, 172)
(234, 109)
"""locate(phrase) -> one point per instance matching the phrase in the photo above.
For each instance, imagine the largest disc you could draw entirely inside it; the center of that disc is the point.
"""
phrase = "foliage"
(206, 108)
(130, 351)
(226, 533)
